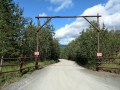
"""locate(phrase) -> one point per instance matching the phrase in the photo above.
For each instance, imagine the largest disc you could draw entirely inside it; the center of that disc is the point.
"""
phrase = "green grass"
(11, 68)
(91, 66)
(113, 66)
(109, 66)
(8, 78)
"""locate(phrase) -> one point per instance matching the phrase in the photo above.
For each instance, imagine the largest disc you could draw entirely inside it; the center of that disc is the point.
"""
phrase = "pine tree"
(11, 25)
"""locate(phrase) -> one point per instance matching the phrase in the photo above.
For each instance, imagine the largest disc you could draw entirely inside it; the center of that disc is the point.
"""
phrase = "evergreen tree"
(11, 25)
(84, 49)
(48, 45)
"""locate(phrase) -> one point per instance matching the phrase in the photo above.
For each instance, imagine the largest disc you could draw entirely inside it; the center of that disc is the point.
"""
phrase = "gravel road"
(66, 75)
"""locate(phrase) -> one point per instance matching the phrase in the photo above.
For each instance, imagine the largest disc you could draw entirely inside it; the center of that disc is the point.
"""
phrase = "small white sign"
(36, 53)
(99, 54)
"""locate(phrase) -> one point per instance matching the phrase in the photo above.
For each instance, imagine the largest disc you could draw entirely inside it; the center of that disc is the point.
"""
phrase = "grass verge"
(8, 78)
(113, 67)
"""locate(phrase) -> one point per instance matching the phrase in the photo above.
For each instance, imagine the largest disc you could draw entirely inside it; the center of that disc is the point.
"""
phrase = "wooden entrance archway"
(85, 17)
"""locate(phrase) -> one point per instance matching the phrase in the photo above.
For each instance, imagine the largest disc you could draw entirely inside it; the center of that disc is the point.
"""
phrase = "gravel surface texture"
(66, 75)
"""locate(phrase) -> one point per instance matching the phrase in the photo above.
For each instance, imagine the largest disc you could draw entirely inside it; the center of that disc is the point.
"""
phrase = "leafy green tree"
(55, 50)
(11, 25)
(48, 45)
(84, 48)
(28, 40)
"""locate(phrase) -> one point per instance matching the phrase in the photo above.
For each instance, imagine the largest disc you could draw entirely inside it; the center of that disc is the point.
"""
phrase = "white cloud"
(50, 8)
(71, 39)
(112, 3)
(66, 40)
(62, 4)
(43, 14)
(71, 30)
(110, 14)
(56, 1)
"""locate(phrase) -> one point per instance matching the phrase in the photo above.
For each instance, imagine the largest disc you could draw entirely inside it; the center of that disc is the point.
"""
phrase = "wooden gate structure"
(97, 28)
(22, 58)
(112, 59)
(100, 60)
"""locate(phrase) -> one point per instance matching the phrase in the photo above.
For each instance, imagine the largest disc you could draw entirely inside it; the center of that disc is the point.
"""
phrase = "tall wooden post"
(98, 36)
(37, 40)
(21, 62)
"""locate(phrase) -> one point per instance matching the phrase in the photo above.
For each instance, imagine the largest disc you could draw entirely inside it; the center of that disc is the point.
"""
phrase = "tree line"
(83, 49)
(18, 34)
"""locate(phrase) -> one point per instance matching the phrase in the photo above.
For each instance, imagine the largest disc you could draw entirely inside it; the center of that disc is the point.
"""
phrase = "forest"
(83, 49)
(18, 34)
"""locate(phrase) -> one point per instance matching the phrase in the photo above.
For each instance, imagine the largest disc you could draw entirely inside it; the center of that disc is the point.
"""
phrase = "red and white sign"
(99, 54)
(36, 53)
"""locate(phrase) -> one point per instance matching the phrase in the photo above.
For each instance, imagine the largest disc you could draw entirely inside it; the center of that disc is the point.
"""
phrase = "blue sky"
(68, 29)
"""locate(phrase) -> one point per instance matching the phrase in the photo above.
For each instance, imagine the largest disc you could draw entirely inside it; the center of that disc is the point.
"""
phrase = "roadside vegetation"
(18, 36)
(83, 50)
(8, 78)
(112, 64)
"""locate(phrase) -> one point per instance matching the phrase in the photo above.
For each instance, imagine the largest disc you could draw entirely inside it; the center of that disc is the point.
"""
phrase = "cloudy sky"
(68, 29)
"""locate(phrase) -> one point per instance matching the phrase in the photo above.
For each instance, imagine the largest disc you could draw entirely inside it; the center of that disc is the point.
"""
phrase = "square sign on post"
(99, 54)
(36, 53)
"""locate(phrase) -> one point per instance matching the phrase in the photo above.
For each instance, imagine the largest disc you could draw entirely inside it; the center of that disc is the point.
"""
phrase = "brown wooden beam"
(91, 24)
(66, 16)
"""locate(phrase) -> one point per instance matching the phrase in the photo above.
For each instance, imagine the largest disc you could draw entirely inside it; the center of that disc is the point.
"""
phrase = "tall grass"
(8, 78)
(113, 67)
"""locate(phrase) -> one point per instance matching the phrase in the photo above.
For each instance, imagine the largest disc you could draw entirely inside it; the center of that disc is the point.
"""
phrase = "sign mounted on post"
(36, 53)
(99, 54)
